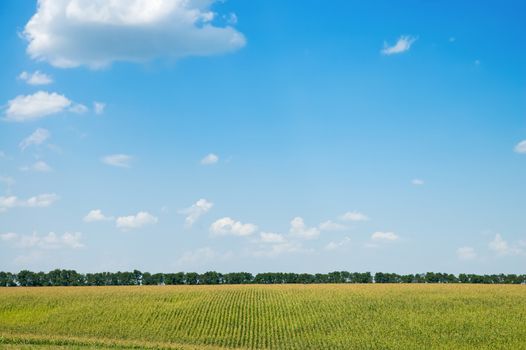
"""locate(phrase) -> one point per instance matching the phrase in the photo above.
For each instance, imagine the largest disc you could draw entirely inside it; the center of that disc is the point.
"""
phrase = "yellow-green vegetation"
(370, 316)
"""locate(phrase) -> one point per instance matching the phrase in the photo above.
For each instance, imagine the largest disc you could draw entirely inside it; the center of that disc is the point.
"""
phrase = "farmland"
(371, 316)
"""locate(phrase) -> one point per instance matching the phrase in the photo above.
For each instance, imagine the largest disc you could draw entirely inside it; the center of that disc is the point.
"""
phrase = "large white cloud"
(194, 212)
(135, 221)
(228, 226)
(71, 33)
(38, 105)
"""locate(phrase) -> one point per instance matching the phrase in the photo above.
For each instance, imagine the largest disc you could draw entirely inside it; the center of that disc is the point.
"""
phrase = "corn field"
(265, 317)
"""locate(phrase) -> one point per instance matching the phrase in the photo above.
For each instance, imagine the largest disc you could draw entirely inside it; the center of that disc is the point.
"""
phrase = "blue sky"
(263, 136)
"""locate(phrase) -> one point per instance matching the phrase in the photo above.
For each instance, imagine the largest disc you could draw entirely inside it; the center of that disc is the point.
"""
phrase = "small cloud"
(40, 201)
(330, 225)
(38, 137)
(339, 244)
(270, 237)
(96, 215)
(39, 166)
(402, 45)
(194, 212)
(210, 159)
(281, 248)
(521, 147)
(99, 107)
(466, 253)
(135, 221)
(501, 247)
(118, 160)
(35, 78)
(299, 229)
(384, 237)
(78, 108)
(477, 62)
(418, 182)
(354, 216)
(32, 107)
(452, 39)
(227, 226)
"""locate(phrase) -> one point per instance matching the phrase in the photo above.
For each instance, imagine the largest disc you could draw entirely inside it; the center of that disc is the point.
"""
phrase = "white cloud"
(280, 248)
(354, 216)
(39, 166)
(71, 33)
(99, 107)
(227, 226)
(339, 244)
(384, 236)
(299, 229)
(96, 215)
(40, 201)
(194, 212)
(521, 147)
(501, 247)
(38, 137)
(9, 236)
(330, 225)
(118, 160)
(32, 107)
(270, 237)
(403, 44)
(78, 108)
(136, 221)
(210, 159)
(35, 78)
(49, 241)
(417, 182)
(466, 253)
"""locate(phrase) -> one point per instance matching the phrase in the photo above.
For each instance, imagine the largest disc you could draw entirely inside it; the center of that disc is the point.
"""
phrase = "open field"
(388, 316)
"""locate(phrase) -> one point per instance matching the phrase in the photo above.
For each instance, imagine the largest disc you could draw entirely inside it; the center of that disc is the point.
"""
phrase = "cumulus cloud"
(417, 182)
(38, 105)
(38, 137)
(354, 216)
(271, 237)
(338, 244)
(330, 225)
(35, 78)
(402, 45)
(96, 215)
(195, 211)
(40, 201)
(466, 253)
(78, 108)
(48, 241)
(99, 107)
(521, 147)
(135, 221)
(299, 229)
(118, 160)
(210, 159)
(71, 33)
(228, 226)
(384, 237)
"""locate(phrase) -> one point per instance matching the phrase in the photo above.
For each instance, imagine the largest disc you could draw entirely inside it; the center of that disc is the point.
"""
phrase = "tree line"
(60, 277)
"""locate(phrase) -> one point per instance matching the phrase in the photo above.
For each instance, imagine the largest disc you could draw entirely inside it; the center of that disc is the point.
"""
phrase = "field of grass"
(370, 316)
